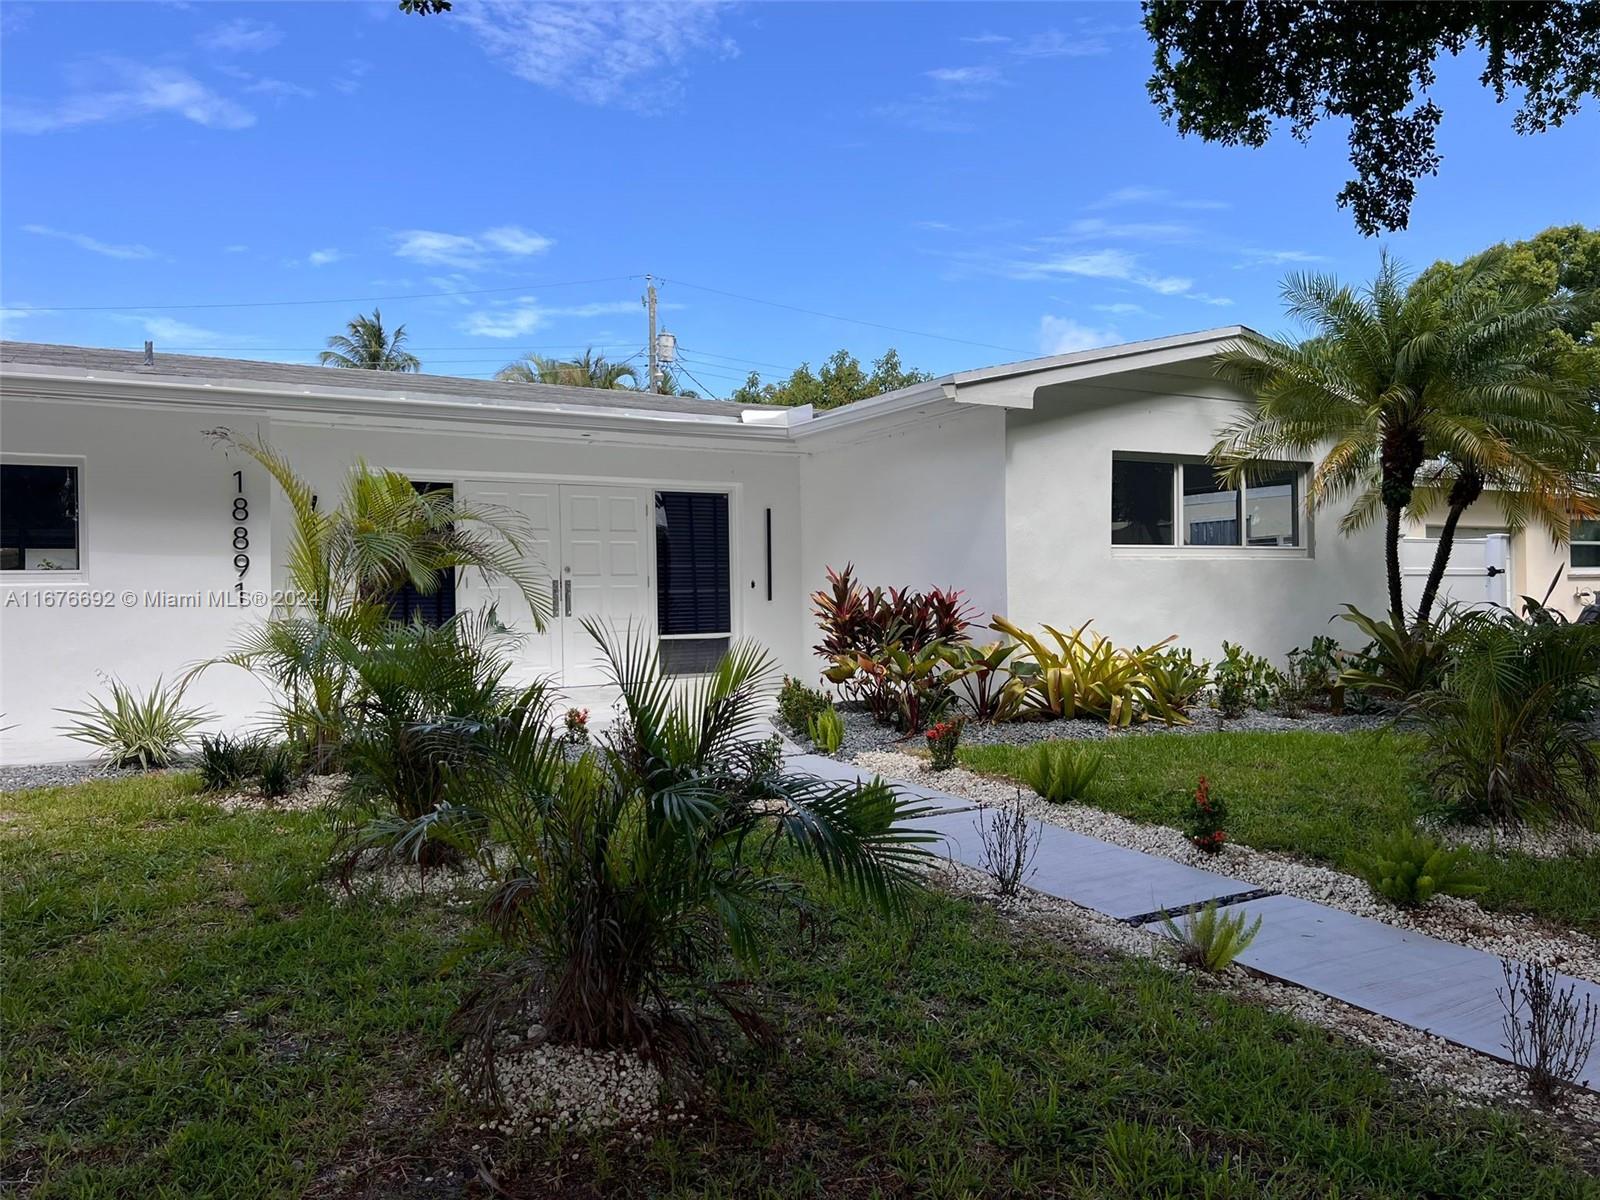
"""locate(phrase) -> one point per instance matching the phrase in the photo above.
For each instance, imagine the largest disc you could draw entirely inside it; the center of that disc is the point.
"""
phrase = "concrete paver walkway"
(1446, 989)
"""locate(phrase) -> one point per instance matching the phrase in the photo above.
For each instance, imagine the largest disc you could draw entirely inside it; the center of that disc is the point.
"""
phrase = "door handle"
(555, 597)
(569, 597)
(1493, 571)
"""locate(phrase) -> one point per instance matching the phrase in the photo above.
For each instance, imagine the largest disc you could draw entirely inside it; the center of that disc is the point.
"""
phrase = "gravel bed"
(547, 1087)
(862, 734)
(1445, 917)
(1462, 1073)
(318, 791)
(19, 777)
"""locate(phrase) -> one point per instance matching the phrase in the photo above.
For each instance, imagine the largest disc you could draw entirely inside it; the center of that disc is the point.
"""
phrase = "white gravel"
(318, 791)
(1465, 1074)
(547, 1087)
(1445, 917)
(20, 777)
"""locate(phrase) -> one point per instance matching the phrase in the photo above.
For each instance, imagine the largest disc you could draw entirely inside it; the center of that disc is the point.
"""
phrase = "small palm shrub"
(826, 730)
(1398, 663)
(1408, 869)
(1507, 731)
(943, 739)
(227, 762)
(1210, 939)
(427, 700)
(132, 730)
(1061, 772)
(797, 704)
(1205, 820)
(279, 770)
(628, 875)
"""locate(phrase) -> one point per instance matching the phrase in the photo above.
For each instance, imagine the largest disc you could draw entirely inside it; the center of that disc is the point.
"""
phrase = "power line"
(811, 312)
(519, 287)
(684, 367)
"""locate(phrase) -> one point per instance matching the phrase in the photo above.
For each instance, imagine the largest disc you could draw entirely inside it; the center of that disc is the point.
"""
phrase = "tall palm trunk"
(1466, 489)
(1391, 559)
(1400, 458)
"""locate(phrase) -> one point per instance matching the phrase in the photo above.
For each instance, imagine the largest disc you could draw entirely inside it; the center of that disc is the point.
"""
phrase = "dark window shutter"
(693, 589)
(435, 607)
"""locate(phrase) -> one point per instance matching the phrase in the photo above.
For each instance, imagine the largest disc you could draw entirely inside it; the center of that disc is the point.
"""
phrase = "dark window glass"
(1586, 544)
(1141, 503)
(1210, 508)
(693, 591)
(1272, 508)
(38, 517)
(431, 608)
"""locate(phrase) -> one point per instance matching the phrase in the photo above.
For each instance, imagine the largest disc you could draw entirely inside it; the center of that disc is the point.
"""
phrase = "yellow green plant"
(1084, 674)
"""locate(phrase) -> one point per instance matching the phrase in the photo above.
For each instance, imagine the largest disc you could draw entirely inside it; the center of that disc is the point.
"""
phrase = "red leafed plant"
(1205, 820)
(854, 619)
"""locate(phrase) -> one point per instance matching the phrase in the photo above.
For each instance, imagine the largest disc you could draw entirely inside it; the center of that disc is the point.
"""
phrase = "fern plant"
(826, 730)
(1409, 868)
(1210, 939)
(147, 731)
(1061, 772)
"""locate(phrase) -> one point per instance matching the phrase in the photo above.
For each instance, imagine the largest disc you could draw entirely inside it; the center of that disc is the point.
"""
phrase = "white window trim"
(1575, 570)
(47, 578)
(1185, 550)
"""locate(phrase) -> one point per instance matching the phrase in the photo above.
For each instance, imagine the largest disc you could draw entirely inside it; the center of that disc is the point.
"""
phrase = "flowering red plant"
(943, 739)
(577, 725)
(1205, 819)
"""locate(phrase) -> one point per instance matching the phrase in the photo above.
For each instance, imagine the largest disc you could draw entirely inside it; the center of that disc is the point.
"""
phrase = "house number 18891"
(241, 531)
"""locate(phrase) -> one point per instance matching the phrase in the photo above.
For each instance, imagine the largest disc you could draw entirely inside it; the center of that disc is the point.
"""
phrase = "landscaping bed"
(188, 1012)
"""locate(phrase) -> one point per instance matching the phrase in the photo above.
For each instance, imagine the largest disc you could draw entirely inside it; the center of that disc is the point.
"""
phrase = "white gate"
(1479, 571)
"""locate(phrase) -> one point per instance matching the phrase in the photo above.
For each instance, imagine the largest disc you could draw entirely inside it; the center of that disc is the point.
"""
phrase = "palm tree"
(367, 347)
(587, 370)
(627, 873)
(344, 564)
(1413, 392)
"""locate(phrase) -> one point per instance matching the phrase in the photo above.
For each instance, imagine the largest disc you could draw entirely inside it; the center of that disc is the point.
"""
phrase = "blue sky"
(993, 174)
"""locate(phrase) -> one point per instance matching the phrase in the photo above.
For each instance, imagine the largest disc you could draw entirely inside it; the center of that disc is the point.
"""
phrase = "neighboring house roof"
(79, 372)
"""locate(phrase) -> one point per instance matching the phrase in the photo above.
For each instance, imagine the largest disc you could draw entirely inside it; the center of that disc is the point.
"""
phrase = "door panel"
(537, 654)
(605, 571)
(1477, 573)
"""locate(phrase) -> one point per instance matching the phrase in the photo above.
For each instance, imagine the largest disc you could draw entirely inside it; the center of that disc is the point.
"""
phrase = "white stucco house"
(1053, 490)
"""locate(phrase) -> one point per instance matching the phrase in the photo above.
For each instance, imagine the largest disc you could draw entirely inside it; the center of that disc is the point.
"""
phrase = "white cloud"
(94, 245)
(1102, 264)
(262, 85)
(931, 114)
(1052, 43)
(964, 76)
(1140, 231)
(117, 90)
(240, 36)
(629, 55)
(514, 318)
(176, 333)
(321, 258)
(1164, 197)
(468, 251)
(236, 248)
(1279, 258)
(1121, 309)
(987, 39)
(1063, 335)
(934, 226)
(355, 69)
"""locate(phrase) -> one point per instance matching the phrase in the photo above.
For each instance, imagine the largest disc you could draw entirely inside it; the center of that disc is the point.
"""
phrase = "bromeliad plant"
(983, 672)
(899, 688)
(1083, 674)
(627, 874)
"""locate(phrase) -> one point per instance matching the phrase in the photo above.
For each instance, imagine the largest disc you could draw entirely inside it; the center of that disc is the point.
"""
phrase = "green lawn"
(186, 1013)
(1323, 795)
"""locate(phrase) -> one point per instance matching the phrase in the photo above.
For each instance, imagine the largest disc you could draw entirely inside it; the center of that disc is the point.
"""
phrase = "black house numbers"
(241, 532)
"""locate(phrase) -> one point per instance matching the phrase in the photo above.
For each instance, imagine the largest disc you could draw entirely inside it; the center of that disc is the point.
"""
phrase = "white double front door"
(592, 546)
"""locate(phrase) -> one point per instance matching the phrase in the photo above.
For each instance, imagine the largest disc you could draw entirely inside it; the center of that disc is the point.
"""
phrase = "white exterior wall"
(1065, 571)
(919, 506)
(155, 516)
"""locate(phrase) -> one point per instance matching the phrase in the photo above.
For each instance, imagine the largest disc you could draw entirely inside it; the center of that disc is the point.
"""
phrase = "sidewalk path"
(1440, 987)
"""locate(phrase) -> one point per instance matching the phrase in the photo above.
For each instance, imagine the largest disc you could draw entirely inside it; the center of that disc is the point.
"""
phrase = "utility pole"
(650, 303)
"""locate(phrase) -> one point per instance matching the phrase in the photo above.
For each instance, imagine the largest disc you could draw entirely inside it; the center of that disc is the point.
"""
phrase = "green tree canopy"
(1229, 71)
(366, 346)
(841, 380)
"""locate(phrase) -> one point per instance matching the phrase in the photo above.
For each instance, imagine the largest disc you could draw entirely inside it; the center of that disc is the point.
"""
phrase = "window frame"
(1179, 546)
(727, 637)
(1572, 567)
(81, 573)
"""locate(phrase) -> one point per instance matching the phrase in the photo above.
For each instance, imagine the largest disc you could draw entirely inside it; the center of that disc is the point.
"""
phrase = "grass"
(1327, 796)
(186, 1013)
